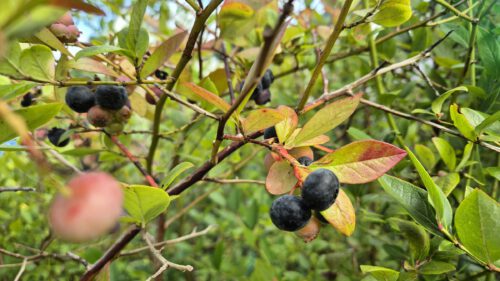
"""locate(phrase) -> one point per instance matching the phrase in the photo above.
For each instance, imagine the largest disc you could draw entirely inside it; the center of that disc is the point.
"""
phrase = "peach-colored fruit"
(66, 19)
(310, 231)
(91, 208)
(99, 117)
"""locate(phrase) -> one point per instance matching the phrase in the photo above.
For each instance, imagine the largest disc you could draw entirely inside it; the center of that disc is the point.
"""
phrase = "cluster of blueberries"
(319, 192)
(261, 94)
(108, 107)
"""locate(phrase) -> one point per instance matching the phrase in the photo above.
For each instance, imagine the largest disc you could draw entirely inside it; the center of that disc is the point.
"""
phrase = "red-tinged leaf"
(90, 65)
(341, 214)
(286, 127)
(208, 96)
(79, 5)
(280, 178)
(327, 118)
(361, 161)
(260, 119)
(163, 53)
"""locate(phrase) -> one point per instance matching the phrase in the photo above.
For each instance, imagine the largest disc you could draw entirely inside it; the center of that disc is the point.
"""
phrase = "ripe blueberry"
(256, 92)
(267, 79)
(289, 213)
(320, 217)
(264, 97)
(55, 135)
(27, 100)
(99, 117)
(111, 97)
(305, 161)
(160, 74)
(270, 133)
(320, 189)
(80, 98)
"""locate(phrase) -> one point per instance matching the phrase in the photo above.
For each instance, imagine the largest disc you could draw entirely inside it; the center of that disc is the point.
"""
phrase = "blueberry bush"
(249, 140)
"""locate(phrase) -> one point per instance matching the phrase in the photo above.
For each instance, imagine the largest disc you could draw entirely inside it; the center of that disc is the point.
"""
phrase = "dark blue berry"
(27, 100)
(320, 189)
(55, 135)
(160, 74)
(267, 79)
(305, 161)
(111, 97)
(270, 133)
(289, 213)
(80, 98)
(264, 97)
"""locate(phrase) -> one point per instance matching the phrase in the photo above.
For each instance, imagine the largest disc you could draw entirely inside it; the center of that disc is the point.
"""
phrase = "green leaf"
(38, 62)
(489, 52)
(462, 124)
(489, 121)
(134, 38)
(9, 62)
(478, 226)
(96, 50)
(286, 127)
(34, 116)
(437, 104)
(144, 203)
(250, 214)
(11, 91)
(393, 13)
(235, 19)
(465, 156)
(33, 20)
(361, 161)
(446, 151)
(494, 172)
(436, 267)
(162, 53)
(380, 273)
(358, 134)
(260, 119)
(327, 118)
(426, 156)
(413, 199)
(174, 173)
(448, 182)
(436, 196)
(47, 37)
(135, 52)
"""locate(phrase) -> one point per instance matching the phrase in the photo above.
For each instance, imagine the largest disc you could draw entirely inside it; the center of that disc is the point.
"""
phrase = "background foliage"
(434, 217)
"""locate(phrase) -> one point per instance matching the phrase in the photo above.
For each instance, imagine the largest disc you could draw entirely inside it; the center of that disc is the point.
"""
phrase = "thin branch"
(233, 181)
(326, 52)
(456, 11)
(189, 236)
(227, 70)
(14, 189)
(198, 26)
(21, 270)
(165, 263)
(426, 79)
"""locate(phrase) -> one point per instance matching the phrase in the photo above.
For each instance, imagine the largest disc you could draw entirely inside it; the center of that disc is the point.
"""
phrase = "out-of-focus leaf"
(162, 53)
(393, 13)
(446, 151)
(437, 104)
(462, 124)
(11, 91)
(51, 40)
(436, 267)
(34, 116)
(327, 118)
(494, 172)
(448, 182)
(174, 173)
(478, 226)
(97, 50)
(235, 19)
(90, 65)
(361, 161)
(33, 20)
(260, 119)
(341, 214)
(426, 156)
(465, 156)
(134, 27)
(417, 238)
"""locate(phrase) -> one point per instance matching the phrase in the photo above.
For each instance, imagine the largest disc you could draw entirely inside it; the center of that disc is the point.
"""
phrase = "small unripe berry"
(54, 135)
(91, 208)
(66, 19)
(111, 97)
(310, 231)
(125, 113)
(114, 128)
(256, 92)
(80, 98)
(320, 189)
(289, 213)
(99, 117)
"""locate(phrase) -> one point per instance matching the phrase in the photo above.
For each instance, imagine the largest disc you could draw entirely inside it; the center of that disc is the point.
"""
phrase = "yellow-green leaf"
(341, 214)
(393, 13)
(260, 119)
